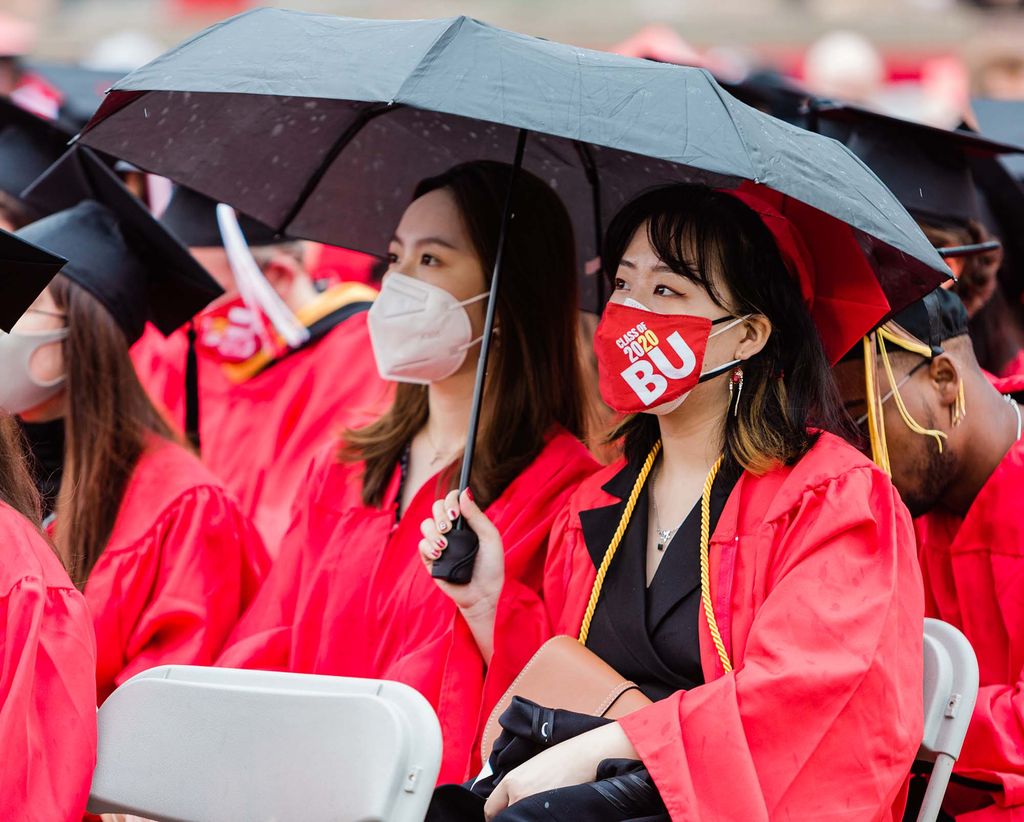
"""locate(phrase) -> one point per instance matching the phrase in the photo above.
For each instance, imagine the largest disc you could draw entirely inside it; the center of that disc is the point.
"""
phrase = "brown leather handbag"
(564, 674)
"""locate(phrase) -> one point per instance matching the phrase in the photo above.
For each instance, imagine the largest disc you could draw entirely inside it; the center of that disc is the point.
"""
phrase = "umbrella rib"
(339, 145)
(590, 170)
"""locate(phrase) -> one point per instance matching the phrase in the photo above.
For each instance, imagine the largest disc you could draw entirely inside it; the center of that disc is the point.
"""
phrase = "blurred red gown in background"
(263, 419)
(974, 579)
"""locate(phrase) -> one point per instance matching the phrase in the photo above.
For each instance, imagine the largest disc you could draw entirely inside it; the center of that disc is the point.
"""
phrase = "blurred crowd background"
(920, 59)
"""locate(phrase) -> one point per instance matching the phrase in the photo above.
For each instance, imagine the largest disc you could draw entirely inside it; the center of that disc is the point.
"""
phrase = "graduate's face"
(642, 276)
(431, 244)
(919, 472)
(46, 363)
(215, 261)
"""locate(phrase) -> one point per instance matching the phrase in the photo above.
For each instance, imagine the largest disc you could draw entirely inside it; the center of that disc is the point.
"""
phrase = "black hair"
(715, 240)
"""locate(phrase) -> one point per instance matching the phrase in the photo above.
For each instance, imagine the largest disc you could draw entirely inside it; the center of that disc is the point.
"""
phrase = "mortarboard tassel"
(192, 389)
(924, 351)
(873, 400)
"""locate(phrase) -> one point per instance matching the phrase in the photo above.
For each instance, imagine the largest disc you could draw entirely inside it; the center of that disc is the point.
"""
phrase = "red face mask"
(649, 362)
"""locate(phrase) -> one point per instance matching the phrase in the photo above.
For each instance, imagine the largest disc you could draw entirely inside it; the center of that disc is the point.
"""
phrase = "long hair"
(533, 378)
(109, 419)
(788, 388)
(16, 486)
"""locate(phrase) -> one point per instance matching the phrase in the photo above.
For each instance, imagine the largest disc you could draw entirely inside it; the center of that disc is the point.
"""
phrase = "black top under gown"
(649, 634)
(46, 459)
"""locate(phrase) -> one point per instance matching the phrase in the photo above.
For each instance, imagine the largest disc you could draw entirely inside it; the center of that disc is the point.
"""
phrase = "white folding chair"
(191, 744)
(950, 690)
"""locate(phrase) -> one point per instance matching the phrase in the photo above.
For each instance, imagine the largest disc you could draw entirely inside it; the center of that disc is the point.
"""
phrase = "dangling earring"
(736, 386)
(959, 408)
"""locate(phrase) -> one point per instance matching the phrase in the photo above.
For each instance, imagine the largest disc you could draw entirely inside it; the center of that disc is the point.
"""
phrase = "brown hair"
(534, 380)
(109, 418)
(702, 235)
(14, 212)
(16, 486)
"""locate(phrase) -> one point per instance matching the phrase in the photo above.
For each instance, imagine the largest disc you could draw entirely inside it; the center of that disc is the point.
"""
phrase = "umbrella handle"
(455, 565)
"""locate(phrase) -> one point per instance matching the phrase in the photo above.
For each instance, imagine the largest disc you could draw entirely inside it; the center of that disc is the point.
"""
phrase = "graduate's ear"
(756, 330)
(946, 378)
(282, 270)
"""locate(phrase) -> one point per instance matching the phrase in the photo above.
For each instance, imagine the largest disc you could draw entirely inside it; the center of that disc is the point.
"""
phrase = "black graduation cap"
(27, 270)
(115, 249)
(28, 146)
(771, 92)
(81, 89)
(938, 316)
(1003, 120)
(927, 168)
(192, 218)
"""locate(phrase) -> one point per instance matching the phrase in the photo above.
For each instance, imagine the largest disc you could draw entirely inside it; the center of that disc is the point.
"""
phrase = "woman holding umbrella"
(348, 595)
(749, 570)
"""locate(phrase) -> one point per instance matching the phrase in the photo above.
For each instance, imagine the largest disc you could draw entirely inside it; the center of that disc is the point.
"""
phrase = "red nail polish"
(453, 514)
(469, 495)
(441, 543)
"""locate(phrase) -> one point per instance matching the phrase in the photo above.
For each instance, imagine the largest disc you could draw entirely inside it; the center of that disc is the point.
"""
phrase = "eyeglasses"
(863, 418)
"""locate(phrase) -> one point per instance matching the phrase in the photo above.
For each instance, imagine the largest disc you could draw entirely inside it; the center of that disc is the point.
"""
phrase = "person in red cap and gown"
(762, 586)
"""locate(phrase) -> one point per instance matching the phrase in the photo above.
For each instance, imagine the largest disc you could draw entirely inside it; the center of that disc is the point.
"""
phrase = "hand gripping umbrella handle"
(456, 563)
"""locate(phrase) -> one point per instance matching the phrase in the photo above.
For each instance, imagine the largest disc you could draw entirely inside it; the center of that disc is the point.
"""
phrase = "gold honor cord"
(705, 539)
(705, 566)
(873, 400)
(613, 546)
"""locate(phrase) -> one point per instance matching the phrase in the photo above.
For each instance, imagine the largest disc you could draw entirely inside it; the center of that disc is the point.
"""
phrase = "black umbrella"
(321, 126)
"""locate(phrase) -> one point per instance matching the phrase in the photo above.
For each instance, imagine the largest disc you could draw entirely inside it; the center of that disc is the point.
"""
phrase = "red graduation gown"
(349, 595)
(181, 565)
(974, 579)
(818, 598)
(259, 433)
(47, 681)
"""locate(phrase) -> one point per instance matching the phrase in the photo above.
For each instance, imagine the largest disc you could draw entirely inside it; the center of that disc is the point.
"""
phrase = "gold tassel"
(911, 423)
(873, 400)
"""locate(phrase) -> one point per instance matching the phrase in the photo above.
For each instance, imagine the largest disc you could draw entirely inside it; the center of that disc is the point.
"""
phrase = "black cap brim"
(28, 270)
(174, 286)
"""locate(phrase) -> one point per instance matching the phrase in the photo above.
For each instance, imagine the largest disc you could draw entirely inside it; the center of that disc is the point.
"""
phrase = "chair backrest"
(192, 744)
(950, 691)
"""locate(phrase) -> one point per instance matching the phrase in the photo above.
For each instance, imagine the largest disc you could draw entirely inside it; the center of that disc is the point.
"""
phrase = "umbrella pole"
(456, 563)
(590, 169)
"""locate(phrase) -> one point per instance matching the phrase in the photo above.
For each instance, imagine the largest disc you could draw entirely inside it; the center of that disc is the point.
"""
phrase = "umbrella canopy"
(321, 127)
